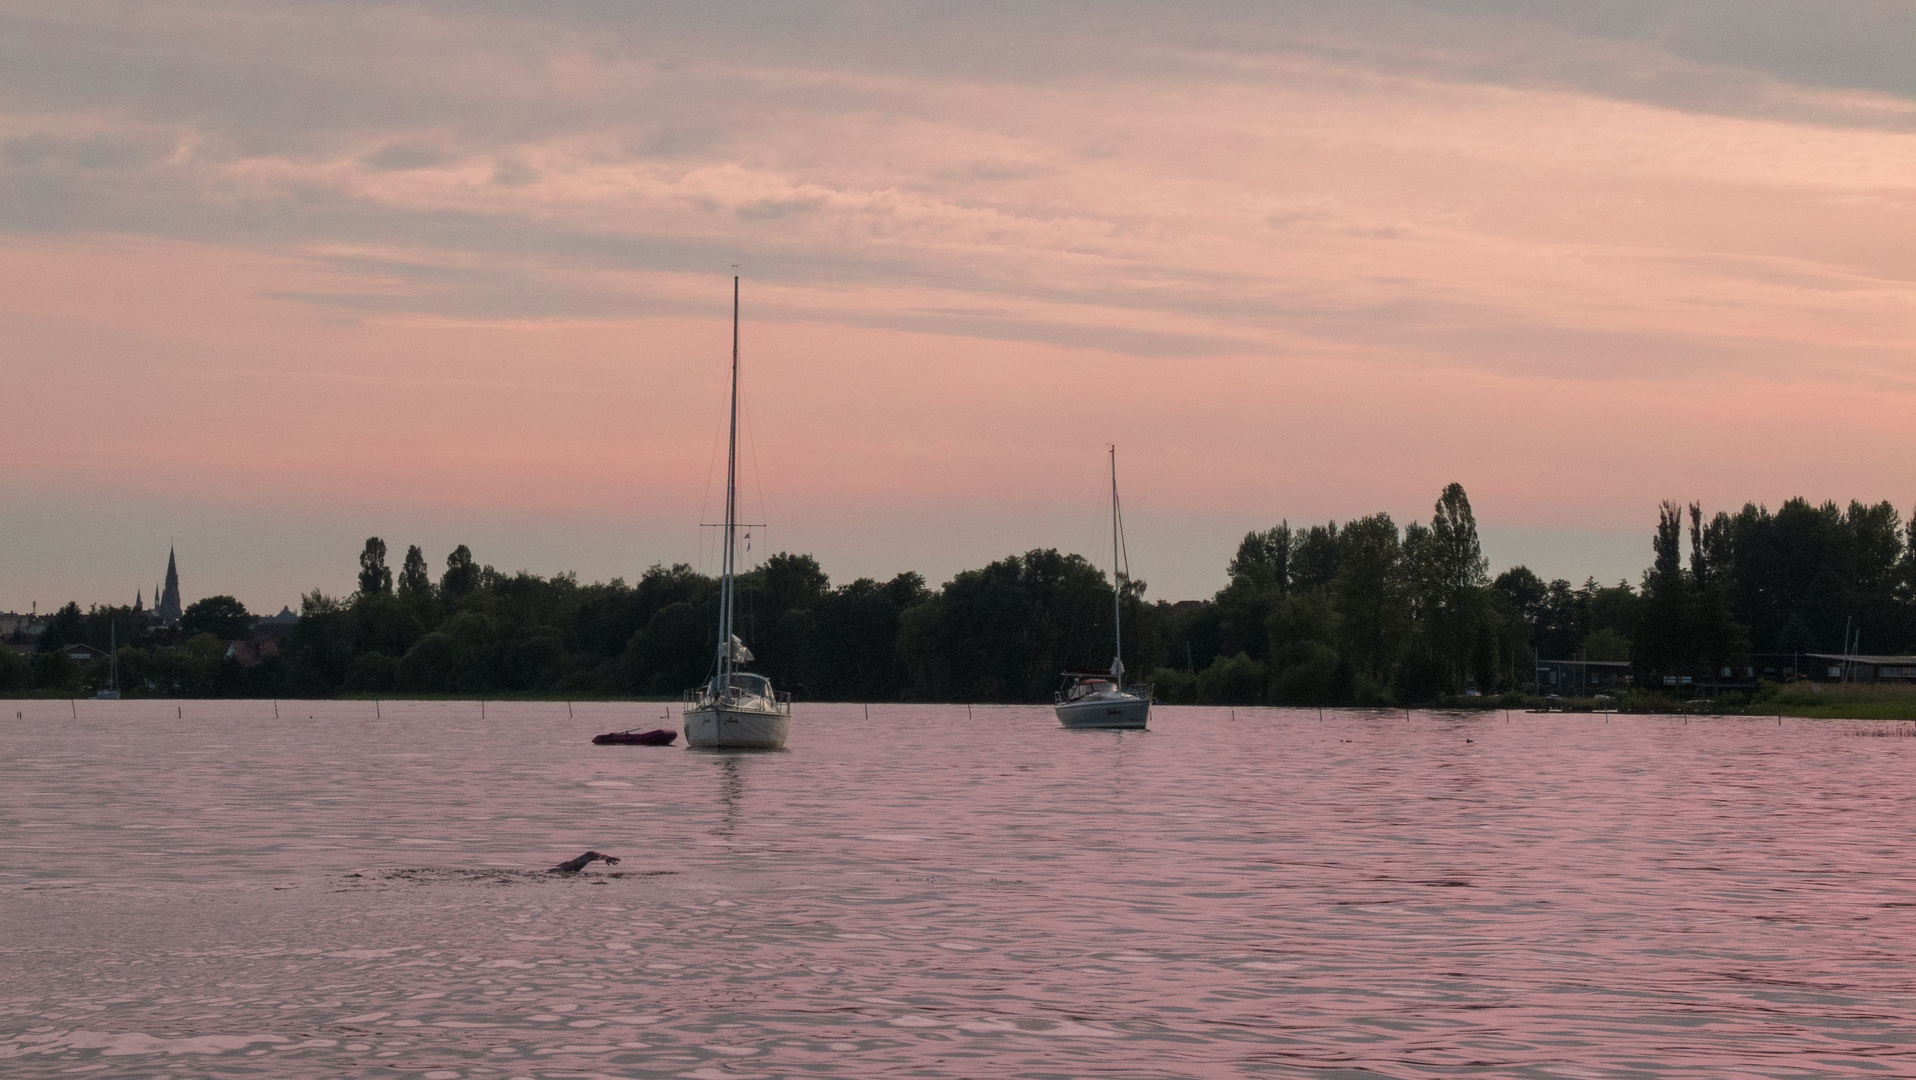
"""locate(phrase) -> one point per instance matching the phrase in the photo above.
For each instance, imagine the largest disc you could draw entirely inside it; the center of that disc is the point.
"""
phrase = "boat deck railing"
(702, 696)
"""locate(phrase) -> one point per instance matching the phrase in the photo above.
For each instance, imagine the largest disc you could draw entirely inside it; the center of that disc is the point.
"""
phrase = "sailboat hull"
(1125, 713)
(736, 729)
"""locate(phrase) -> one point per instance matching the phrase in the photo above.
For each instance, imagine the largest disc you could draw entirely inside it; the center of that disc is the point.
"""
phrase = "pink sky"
(284, 276)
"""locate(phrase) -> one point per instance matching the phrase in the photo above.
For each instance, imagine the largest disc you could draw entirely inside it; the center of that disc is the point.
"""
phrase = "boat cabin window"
(751, 684)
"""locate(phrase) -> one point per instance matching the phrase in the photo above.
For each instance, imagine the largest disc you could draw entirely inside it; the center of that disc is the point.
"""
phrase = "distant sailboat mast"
(1117, 579)
(737, 710)
(1088, 699)
(731, 513)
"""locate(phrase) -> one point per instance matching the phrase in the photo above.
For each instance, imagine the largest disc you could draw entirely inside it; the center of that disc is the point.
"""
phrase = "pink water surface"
(918, 893)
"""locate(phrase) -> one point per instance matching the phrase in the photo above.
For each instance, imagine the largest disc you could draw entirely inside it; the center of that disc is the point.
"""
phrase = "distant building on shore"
(1582, 678)
(1835, 667)
(21, 632)
(275, 627)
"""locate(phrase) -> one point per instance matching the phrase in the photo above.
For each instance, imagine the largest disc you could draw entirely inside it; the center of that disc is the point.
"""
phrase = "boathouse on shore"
(1834, 667)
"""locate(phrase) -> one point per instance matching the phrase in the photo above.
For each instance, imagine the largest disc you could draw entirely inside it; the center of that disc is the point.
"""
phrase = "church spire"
(168, 607)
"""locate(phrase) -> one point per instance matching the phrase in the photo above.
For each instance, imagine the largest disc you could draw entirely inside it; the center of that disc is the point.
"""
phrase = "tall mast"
(1117, 587)
(731, 512)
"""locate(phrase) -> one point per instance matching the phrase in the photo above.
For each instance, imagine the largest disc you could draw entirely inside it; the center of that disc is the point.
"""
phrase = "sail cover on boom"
(740, 654)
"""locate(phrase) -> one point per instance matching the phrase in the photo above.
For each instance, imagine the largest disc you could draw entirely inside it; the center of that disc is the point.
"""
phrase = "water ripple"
(1272, 895)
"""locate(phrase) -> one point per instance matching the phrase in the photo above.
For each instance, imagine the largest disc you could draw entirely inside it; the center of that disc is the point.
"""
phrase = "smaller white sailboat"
(1098, 699)
(735, 710)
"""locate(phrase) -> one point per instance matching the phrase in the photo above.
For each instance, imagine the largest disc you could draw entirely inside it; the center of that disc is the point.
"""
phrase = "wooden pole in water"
(74, 707)
(275, 710)
(868, 710)
(376, 713)
(568, 710)
(482, 708)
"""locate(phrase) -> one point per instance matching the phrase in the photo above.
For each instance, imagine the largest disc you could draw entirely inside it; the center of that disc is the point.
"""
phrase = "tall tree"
(1369, 589)
(1314, 557)
(66, 627)
(414, 579)
(1458, 606)
(1686, 624)
(462, 575)
(1660, 642)
(1264, 558)
(375, 577)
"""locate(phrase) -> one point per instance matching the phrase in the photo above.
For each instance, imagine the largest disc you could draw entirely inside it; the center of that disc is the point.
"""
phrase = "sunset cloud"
(348, 253)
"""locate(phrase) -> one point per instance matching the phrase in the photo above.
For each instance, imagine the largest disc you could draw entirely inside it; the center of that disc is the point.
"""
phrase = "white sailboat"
(734, 710)
(1099, 699)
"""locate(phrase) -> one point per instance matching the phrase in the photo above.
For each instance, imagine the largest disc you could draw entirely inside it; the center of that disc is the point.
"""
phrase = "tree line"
(1362, 612)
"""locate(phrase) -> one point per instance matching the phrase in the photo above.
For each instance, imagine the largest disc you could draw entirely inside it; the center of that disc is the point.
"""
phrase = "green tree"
(1604, 644)
(674, 652)
(791, 581)
(106, 626)
(414, 579)
(462, 576)
(1233, 680)
(66, 627)
(1686, 624)
(375, 577)
(533, 658)
(857, 635)
(1459, 573)
(1314, 557)
(222, 616)
(371, 673)
(1003, 632)
(384, 623)
(1263, 559)
(1308, 673)
(429, 666)
(322, 645)
(1369, 588)
(53, 669)
(16, 673)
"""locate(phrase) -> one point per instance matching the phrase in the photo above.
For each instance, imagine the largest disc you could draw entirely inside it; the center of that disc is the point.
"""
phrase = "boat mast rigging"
(1117, 578)
(731, 514)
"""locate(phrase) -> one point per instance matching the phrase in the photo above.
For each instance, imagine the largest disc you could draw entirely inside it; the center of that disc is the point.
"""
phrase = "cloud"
(1377, 202)
(403, 156)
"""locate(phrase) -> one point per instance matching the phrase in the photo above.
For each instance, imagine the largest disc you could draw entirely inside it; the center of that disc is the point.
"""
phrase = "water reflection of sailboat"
(1095, 699)
(736, 710)
(731, 793)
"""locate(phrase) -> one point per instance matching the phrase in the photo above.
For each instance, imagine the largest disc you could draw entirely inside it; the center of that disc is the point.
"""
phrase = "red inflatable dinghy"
(660, 737)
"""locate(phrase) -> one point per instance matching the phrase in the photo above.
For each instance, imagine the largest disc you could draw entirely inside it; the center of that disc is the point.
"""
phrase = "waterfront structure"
(1582, 678)
(1835, 667)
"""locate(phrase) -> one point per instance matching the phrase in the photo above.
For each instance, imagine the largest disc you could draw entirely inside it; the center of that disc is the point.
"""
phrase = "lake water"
(927, 894)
